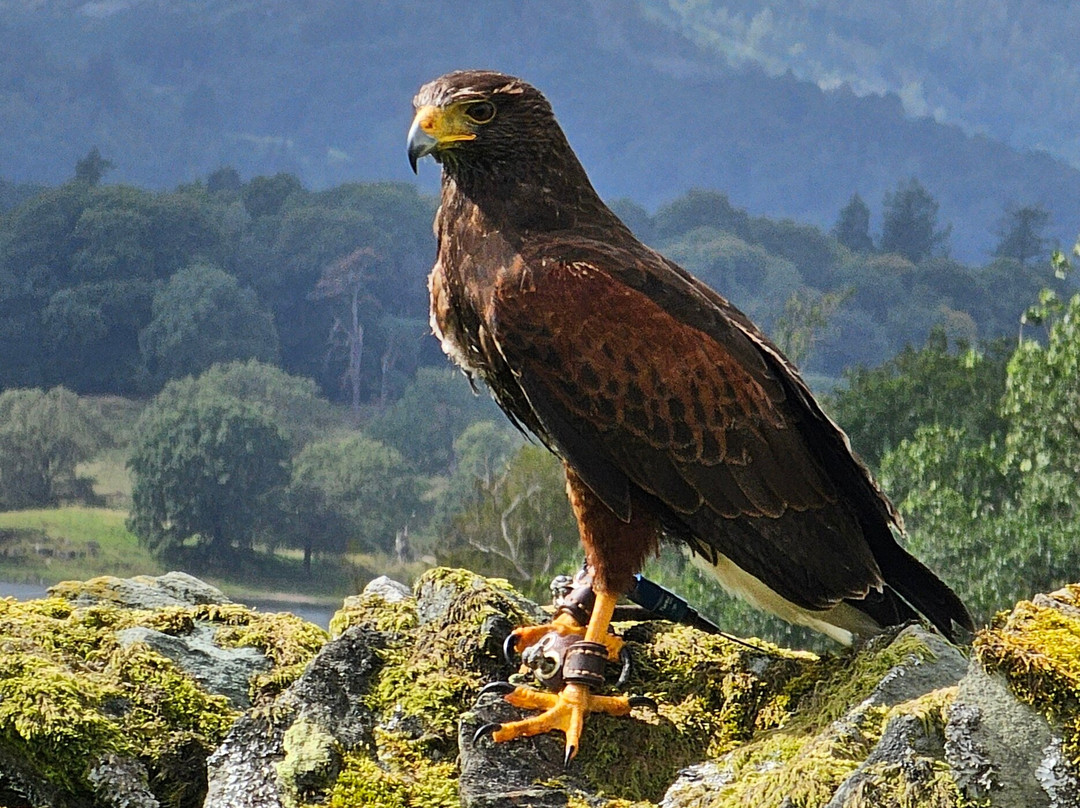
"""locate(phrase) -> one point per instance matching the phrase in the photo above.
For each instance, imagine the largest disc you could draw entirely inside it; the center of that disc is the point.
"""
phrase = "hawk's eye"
(481, 111)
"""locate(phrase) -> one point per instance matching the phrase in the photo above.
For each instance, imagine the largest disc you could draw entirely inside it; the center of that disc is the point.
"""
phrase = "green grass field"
(57, 544)
(46, 546)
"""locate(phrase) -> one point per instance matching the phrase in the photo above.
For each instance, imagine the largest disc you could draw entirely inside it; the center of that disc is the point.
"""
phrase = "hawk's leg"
(615, 548)
(582, 671)
(575, 606)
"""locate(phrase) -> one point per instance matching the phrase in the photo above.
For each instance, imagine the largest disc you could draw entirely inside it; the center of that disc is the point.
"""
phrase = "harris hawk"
(673, 414)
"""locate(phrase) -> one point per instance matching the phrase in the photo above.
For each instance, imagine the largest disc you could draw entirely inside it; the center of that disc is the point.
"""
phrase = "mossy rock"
(82, 700)
(1036, 647)
(383, 715)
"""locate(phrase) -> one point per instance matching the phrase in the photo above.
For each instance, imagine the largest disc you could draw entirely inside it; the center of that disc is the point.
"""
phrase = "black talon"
(570, 752)
(497, 687)
(643, 701)
(624, 674)
(486, 729)
(510, 650)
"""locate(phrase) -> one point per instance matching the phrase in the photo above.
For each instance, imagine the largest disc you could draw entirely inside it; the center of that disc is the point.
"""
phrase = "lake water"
(319, 615)
(21, 591)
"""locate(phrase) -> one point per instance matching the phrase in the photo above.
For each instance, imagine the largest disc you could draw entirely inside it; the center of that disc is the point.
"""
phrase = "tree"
(910, 226)
(43, 438)
(200, 317)
(346, 281)
(366, 485)
(699, 208)
(92, 168)
(1020, 233)
(204, 470)
(91, 336)
(959, 507)
(265, 196)
(434, 409)
(481, 453)
(744, 272)
(516, 523)
(804, 317)
(292, 403)
(948, 385)
(852, 228)
(1042, 403)
(999, 513)
(225, 180)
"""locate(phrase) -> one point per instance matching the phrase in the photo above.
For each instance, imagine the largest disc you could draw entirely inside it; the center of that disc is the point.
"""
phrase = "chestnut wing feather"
(628, 393)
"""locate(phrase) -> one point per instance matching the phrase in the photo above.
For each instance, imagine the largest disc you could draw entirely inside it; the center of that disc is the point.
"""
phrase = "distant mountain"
(171, 91)
(1006, 68)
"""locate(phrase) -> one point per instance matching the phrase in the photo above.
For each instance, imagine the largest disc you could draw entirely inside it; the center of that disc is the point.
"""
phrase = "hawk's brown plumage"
(672, 412)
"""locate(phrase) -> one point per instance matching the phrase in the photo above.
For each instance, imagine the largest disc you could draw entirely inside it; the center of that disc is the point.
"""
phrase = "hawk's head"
(477, 120)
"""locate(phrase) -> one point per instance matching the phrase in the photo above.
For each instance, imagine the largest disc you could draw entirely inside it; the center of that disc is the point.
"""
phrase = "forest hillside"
(652, 97)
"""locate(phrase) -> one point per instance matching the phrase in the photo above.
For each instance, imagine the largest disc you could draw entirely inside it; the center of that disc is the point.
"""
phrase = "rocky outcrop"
(383, 714)
(113, 692)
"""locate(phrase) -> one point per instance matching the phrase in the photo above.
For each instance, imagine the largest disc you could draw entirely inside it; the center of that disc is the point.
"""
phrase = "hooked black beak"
(421, 143)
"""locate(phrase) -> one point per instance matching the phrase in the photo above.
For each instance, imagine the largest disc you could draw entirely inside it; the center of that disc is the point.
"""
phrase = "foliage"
(481, 453)
(743, 271)
(852, 228)
(947, 385)
(44, 435)
(799, 326)
(293, 403)
(345, 281)
(359, 490)
(90, 169)
(265, 196)
(204, 469)
(1020, 233)
(432, 411)
(997, 510)
(202, 317)
(81, 266)
(910, 226)
(516, 522)
(1042, 404)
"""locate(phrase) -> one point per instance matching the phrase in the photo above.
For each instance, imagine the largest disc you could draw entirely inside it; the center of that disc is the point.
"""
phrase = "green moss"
(777, 725)
(372, 611)
(846, 679)
(710, 700)
(283, 637)
(402, 777)
(433, 671)
(890, 786)
(312, 762)
(1037, 648)
(70, 692)
(577, 802)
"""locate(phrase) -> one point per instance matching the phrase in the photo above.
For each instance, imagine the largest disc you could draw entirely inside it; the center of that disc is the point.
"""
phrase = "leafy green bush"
(43, 437)
(357, 485)
(203, 470)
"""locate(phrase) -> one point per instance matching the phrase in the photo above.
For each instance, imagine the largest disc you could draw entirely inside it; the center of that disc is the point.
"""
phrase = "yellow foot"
(565, 710)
